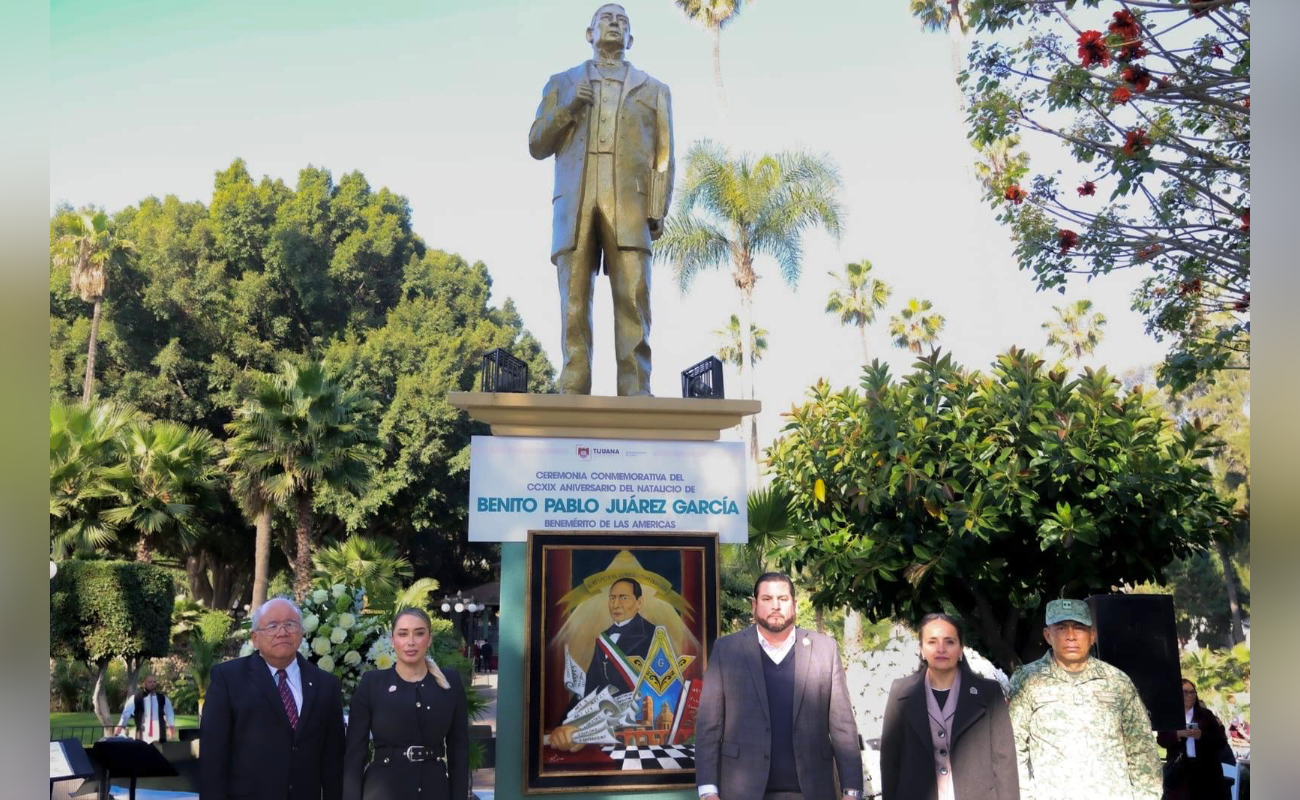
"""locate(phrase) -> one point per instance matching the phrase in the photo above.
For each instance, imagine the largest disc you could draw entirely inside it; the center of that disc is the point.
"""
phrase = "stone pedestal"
(573, 416)
(584, 416)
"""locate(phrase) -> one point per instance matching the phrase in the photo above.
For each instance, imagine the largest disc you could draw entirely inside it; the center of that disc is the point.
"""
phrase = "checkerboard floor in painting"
(636, 757)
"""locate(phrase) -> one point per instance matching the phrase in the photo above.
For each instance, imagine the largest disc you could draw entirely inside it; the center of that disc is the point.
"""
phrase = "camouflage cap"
(1061, 610)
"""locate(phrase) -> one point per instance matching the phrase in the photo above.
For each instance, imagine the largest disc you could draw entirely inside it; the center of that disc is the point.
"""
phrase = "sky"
(433, 99)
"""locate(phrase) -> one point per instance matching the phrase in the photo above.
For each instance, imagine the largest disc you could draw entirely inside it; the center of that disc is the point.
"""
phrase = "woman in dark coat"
(1200, 777)
(417, 717)
(947, 732)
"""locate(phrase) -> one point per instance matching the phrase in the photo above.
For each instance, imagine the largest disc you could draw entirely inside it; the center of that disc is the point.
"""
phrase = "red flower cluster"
(1139, 77)
(1247, 102)
(1243, 304)
(1015, 194)
(1093, 50)
(1067, 239)
(1136, 142)
(1148, 251)
(1121, 95)
(1218, 51)
(1125, 26)
(1245, 220)
(1088, 189)
(1132, 52)
(1191, 287)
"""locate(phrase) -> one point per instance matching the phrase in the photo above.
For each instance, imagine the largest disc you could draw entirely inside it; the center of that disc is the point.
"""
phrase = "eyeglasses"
(1190, 691)
(288, 626)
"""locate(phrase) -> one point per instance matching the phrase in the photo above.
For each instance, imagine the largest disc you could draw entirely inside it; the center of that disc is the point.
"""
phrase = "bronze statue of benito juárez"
(609, 126)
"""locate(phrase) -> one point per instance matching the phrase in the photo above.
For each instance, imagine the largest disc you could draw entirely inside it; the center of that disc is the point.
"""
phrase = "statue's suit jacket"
(642, 140)
(733, 732)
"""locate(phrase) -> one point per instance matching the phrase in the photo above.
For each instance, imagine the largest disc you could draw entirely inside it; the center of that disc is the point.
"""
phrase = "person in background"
(947, 733)
(416, 714)
(1193, 754)
(149, 723)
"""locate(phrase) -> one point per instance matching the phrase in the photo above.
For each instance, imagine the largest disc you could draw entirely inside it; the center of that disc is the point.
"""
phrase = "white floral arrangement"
(336, 634)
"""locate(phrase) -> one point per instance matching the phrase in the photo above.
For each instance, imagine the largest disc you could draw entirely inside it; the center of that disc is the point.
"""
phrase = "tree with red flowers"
(1152, 101)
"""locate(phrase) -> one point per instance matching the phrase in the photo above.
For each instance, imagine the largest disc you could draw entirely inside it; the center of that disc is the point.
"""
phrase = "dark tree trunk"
(133, 675)
(1234, 602)
(88, 387)
(302, 558)
(1000, 649)
(196, 570)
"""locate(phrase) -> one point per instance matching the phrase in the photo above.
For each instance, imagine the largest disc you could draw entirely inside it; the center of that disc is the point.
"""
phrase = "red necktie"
(148, 735)
(286, 697)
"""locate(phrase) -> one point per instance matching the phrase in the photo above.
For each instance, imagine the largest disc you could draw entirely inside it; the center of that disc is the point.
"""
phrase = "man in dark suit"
(609, 126)
(630, 634)
(272, 726)
(775, 710)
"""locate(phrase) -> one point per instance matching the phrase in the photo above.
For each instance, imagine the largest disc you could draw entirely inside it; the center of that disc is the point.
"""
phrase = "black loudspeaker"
(1135, 632)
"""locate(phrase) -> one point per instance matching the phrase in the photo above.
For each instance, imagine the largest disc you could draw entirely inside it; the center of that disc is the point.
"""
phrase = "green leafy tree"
(1152, 101)
(170, 470)
(858, 298)
(916, 325)
(731, 349)
(713, 16)
(85, 473)
(312, 430)
(752, 207)
(1222, 678)
(1077, 329)
(432, 344)
(370, 563)
(88, 246)
(994, 493)
(102, 610)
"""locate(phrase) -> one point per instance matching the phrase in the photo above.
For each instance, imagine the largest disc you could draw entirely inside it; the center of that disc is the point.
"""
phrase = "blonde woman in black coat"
(947, 732)
(416, 714)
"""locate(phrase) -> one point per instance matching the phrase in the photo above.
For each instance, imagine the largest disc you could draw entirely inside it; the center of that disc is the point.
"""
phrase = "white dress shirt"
(776, 652)
(294, 676)
(613, 637)
(1191, 743)
(151, 715)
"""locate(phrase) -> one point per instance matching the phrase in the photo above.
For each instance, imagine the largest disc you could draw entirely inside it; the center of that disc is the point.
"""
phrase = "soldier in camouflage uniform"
(1081, 730)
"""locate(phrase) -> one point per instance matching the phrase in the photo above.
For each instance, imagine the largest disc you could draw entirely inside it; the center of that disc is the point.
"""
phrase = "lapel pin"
(805, 641)
(973, 690)
(392, 688)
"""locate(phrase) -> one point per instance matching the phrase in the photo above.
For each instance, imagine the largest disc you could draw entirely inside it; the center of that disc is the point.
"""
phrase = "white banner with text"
(518, 484)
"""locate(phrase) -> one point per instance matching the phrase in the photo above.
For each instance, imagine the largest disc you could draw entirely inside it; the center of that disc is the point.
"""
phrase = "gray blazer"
(733, 742)
(643, 137)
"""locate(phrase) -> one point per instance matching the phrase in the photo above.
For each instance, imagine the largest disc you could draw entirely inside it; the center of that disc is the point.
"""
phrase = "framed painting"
(619, 630)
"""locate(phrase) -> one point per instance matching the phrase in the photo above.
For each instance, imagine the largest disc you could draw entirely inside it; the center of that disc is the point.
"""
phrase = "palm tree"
(248, 476)
(1077, 329)
(372, 564)
(754, 206)
(998, 163)
(730, 347)
(90, 247)
(914, 325)
(309, 435)
(946, 15)
(714, 15)
(86, 471)
(172, 470)
(857, 298)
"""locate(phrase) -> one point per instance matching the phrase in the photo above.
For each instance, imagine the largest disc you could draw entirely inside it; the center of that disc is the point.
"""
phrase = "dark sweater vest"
(782, 776)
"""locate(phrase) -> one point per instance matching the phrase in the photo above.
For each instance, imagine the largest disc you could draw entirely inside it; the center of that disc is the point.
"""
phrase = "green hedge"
(101, 610)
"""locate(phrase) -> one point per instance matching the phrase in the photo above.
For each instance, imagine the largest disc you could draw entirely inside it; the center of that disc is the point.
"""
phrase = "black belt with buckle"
(414, 753)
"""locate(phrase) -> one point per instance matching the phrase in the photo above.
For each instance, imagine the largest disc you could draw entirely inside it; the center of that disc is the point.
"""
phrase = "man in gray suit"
(609, 126)
(775, 709)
